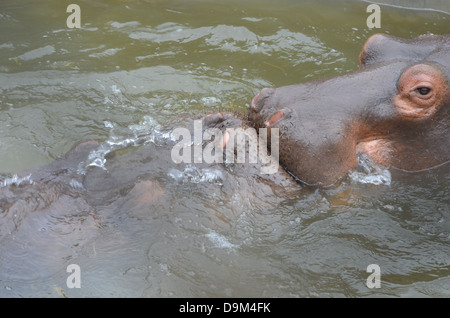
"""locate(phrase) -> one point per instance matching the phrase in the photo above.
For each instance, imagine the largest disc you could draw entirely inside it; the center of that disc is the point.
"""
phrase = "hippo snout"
(259, 100)
(259, 112)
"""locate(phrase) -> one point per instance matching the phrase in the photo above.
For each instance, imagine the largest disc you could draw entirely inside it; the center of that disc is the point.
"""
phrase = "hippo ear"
(380, 48)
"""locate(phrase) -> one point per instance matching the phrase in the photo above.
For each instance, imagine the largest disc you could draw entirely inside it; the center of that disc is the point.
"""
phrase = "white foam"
(194, 175)
(76, 184)
(211, 101)
(369, 172)
(115, 89)
(149, 131)
(16, 180)
(220, 240)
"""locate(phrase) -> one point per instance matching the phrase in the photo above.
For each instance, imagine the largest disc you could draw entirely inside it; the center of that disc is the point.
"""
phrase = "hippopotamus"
(394, 109)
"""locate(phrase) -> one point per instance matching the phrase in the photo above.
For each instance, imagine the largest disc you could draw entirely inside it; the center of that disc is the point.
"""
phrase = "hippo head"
(396, 109)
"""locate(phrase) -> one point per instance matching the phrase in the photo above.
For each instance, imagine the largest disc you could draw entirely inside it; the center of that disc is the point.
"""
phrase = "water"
(137, 68)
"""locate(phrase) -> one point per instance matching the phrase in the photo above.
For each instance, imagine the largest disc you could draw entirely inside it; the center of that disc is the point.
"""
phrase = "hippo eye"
(423, 90)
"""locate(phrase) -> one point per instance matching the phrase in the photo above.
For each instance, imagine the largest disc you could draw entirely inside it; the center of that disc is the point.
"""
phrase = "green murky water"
(134, 65)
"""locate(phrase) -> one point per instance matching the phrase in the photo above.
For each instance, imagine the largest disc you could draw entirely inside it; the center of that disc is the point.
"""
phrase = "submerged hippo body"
(396, 109)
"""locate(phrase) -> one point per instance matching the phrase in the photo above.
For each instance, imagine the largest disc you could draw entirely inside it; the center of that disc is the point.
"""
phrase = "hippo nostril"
(254, 101)
(266, 92)
(275, 117)
(259, 100)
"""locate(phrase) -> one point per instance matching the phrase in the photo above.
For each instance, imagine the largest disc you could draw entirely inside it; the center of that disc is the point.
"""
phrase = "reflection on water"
(140, 225)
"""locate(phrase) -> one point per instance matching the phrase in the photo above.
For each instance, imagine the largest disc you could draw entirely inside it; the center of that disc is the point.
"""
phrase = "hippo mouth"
(378, 149)
(278, 115)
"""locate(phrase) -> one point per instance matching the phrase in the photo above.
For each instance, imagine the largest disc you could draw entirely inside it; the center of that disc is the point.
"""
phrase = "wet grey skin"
(396, 109)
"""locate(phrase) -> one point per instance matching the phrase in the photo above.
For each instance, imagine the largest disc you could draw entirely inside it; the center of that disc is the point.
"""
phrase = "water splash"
(192, 174)
(368, 172)
(220, 240)
(75, 184)
(149, 131)
(16, 180)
